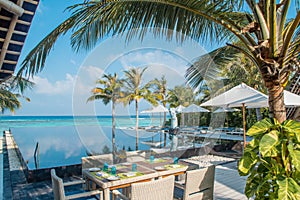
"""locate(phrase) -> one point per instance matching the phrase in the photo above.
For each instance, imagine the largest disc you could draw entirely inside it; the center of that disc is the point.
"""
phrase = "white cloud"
(44, 86)
(157, 57)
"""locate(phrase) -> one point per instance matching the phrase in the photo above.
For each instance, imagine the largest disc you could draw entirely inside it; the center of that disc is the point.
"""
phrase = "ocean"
(63, 140)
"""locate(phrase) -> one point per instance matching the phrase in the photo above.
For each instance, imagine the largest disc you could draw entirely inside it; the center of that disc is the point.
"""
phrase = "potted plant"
(272, 160)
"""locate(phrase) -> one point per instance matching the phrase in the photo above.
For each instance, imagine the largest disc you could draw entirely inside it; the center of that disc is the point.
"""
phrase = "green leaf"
(252, 145)
(292, 127)
(295, 154)
(247, 162)
(268, 143)
(260, 127)
(288, 189)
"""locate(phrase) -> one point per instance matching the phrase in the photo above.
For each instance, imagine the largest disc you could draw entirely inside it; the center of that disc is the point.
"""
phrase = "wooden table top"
(146, 171)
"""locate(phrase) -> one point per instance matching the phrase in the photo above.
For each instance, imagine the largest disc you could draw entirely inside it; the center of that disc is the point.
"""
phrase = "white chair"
(59, 191)
(161, 189)
(198, 184)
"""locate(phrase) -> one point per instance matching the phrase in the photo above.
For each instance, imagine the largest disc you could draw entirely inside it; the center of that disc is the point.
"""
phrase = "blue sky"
(67, 79)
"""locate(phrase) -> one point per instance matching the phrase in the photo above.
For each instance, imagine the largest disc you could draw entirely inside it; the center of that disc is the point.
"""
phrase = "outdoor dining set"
(140, 178)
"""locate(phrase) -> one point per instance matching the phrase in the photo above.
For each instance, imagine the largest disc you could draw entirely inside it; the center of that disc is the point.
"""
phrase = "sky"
(64, 85)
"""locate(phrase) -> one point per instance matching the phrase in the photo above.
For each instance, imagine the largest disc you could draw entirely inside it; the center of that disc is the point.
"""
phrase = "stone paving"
(14, 163)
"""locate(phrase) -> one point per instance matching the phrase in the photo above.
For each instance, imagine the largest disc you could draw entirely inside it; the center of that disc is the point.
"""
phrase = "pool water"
(65, 145)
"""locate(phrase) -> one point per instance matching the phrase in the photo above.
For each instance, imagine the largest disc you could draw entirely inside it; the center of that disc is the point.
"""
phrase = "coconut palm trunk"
(164, 124)
(113, 130)
(276, 103)
(274, 83)
(136, 124)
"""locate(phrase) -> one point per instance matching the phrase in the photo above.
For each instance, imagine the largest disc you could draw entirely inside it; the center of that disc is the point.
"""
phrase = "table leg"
(106, 194)
(126, 191)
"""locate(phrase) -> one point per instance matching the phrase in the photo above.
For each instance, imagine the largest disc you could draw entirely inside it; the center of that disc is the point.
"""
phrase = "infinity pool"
(65, 145)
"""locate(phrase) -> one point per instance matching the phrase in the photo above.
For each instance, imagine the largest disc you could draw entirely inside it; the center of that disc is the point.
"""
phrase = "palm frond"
(92, 21)
(35, 60)
(208, 66)
(8, 100)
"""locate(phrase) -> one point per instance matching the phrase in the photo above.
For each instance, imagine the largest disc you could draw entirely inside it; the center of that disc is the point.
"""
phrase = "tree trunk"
(164, 124)
(136, 125)
(113, 135)
(276, 101)
(274, 81)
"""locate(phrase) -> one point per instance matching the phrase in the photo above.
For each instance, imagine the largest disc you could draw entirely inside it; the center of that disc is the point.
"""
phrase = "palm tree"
(160, 93)
(109, 91)
(181, 95)
(12, 89)
(269, 40)
(8, 100)
(135, 91)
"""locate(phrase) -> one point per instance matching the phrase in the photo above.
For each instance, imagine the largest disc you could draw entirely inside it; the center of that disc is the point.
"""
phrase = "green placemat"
(168, 167)
(123, 175)
(156, 160)
(101, 177)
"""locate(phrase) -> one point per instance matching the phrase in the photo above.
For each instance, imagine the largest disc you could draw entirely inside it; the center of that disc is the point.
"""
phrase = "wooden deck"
(228, 183)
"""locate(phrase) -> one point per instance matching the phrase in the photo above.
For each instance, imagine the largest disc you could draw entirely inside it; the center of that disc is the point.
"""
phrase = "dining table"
(128, 173)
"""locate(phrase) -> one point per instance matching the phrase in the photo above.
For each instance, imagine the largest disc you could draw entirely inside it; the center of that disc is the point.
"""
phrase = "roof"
(15, 22)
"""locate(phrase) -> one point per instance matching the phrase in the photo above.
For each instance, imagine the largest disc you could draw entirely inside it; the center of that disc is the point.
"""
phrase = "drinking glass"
(105, 167)
(133, 167)
(151, 159)
(175, 160)
(114, 171)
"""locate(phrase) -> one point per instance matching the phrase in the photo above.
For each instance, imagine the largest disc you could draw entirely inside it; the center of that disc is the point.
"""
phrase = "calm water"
(63, 140)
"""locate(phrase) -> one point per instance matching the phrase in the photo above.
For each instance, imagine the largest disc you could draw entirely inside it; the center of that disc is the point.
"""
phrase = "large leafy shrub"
(272, 160)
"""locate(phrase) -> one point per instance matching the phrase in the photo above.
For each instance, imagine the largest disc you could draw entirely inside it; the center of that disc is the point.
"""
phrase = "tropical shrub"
(272, 160)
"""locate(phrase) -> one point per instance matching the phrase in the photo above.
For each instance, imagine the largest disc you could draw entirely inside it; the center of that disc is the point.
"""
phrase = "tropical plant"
(161, 94)
(160, 91)
(181, 95)
(8, 100)
(135, 91)
(109, 91)
(271, 160)
(10, 91)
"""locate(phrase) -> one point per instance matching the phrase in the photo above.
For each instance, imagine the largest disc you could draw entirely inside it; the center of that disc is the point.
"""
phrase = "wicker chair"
(59, 191)
(161, 189)
(199, 184)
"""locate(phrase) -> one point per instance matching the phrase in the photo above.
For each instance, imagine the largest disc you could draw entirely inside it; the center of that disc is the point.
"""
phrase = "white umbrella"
(238, 96)
(290, 100)
(157, 109)
(178, 109)
(235, 97)
(225, 109)
(194, 108)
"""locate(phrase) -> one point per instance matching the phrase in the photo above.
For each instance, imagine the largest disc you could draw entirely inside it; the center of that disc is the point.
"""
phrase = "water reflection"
(65, 145)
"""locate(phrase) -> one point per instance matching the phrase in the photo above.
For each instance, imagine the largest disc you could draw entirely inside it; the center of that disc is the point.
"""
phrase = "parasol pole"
(244, 124)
